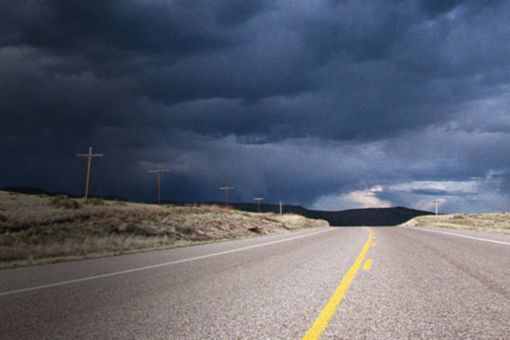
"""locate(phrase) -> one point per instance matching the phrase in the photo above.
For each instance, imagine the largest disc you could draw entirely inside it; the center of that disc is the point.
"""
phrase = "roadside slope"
(489, 222)
(38, 229)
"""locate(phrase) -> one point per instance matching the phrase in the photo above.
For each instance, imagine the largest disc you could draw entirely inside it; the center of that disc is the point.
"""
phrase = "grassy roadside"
(489, 222)
(43, 229)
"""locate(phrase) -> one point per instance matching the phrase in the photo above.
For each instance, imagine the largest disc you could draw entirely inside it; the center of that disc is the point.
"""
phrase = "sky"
(330, 104)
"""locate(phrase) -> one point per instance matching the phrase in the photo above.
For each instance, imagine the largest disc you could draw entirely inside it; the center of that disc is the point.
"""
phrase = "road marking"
(464, 236)
(368, 264)
(159, 265)
(322, 320)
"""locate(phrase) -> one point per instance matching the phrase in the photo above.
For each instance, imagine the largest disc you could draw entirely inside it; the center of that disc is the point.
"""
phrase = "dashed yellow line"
(322, 320)
(368, 264)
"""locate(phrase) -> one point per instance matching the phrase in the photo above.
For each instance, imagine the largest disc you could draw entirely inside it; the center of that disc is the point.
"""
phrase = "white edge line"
(464, 236)
(137, 269)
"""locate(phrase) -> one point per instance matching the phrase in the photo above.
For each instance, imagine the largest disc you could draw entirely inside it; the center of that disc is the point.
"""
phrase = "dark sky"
(328, 104)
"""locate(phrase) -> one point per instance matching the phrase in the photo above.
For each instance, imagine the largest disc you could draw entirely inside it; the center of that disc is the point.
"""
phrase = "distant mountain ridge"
(353, 217)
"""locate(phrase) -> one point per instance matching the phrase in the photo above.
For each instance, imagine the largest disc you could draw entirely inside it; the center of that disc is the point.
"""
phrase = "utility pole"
(436, 201)
(258, 199)
(281, 208)
(89, 156)
(158, 173)
(226, 190)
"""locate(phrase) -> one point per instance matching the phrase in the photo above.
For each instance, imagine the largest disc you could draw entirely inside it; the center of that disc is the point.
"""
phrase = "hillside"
(490, 222)
(40, 228)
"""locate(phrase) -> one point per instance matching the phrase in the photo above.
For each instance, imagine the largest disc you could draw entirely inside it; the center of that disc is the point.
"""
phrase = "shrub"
(95, 201)
(62, 201)
(135, 229)
(256, 229)
(185, 230)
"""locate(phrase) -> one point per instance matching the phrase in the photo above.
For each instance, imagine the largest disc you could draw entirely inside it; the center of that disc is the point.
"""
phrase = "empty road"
(336, 283)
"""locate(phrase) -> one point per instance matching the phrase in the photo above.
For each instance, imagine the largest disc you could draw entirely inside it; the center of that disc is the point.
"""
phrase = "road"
(337, 283)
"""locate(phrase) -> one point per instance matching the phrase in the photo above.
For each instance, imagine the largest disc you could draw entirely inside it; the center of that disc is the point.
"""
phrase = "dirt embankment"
(40, 229)
(490, 222)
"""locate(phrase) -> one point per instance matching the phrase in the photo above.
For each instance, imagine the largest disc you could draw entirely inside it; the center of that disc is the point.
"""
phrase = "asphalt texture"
(421, 285)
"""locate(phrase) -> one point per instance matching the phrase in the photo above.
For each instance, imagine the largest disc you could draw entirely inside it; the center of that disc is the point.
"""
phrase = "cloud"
(366, 198)
(437, 187)
(353, 200)
(475, 195)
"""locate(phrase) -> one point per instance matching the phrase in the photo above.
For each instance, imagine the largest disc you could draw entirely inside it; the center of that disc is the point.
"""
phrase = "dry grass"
(40, 229)
(491, 222)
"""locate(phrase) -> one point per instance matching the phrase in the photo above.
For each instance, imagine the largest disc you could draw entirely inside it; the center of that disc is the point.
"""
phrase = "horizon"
(37, 191)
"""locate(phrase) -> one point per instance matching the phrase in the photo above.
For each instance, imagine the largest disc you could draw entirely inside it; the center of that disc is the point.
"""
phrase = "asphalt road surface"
(336, 283)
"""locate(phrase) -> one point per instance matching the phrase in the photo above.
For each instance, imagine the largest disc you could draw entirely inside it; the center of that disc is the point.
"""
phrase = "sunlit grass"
(38, 229)
(491, 222)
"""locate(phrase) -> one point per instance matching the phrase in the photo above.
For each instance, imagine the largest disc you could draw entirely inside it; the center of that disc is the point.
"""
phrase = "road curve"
(410, 284)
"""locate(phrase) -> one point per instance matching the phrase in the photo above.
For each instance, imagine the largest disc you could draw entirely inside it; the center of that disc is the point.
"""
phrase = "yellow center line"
(322, 320)
(368, 264)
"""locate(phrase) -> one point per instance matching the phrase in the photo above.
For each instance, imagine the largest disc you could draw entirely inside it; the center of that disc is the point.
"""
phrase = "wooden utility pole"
(158, 173)
(258, 199)
(226, 190)
(437, 208)
(89, 156)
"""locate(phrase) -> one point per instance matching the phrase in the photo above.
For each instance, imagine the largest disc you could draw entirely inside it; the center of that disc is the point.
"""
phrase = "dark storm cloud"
(436, 192)
(100, 28)
(259, 93)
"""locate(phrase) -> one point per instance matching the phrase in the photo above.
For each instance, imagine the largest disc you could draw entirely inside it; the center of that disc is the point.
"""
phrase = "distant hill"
(353, 217)
(29, 191)
(38, 191)
(372, 216)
